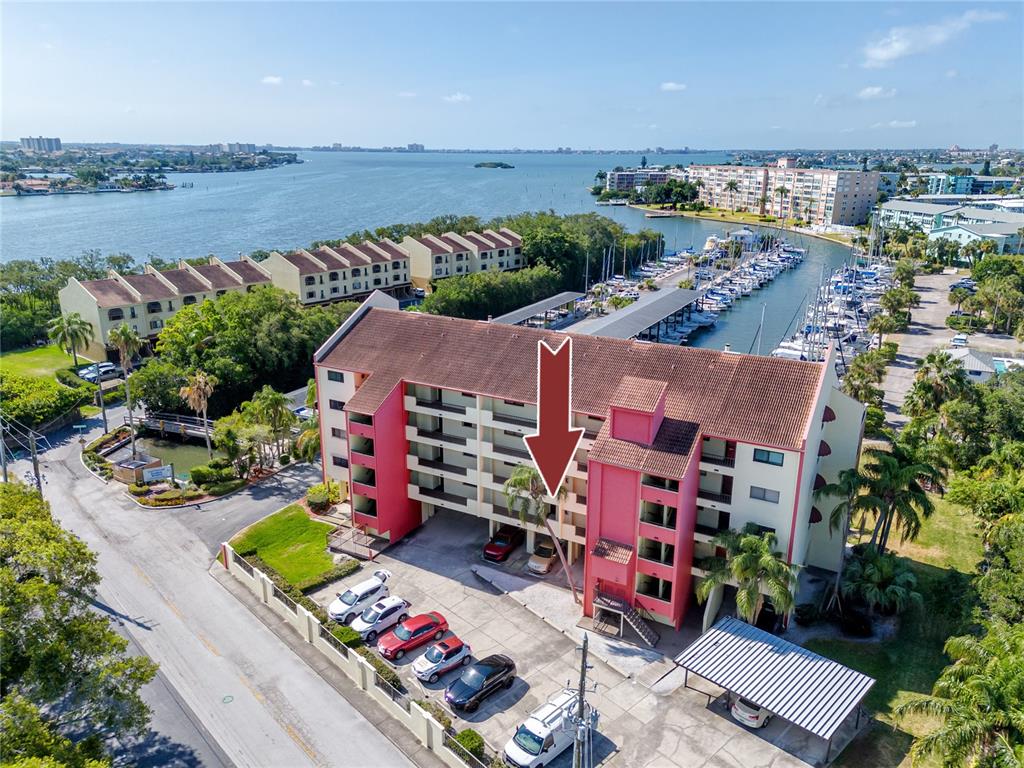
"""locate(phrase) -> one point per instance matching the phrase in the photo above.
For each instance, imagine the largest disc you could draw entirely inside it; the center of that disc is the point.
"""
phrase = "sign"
(157, 473)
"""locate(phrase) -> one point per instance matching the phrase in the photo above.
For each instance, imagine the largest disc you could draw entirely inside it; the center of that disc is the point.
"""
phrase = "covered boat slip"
(814, 693)
(566, 299)
(647, 313)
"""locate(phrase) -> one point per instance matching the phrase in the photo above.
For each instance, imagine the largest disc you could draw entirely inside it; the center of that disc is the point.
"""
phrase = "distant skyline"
(528, 75)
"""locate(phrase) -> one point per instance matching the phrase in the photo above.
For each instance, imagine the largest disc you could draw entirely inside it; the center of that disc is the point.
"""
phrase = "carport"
(811, 692)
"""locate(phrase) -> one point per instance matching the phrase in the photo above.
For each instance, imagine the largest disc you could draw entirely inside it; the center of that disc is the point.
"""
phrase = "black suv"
(479, 681)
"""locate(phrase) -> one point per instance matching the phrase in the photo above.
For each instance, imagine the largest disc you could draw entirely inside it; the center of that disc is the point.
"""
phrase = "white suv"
(380, 616)
(355, 600)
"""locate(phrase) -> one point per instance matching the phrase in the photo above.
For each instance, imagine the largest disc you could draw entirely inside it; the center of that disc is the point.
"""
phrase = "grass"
(289, 542)
(942, 557)
(38, 361)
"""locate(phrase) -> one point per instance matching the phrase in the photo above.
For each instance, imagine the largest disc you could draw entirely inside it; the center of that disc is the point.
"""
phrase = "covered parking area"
(554, 311)
(819, 697)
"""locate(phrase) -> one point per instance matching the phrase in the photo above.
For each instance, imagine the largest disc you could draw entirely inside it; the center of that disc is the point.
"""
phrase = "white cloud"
(307, 83)
(872, 92)
(951, 73)
(457, 98)
(407, 94)
(671, 87)
(906, 41)
(847, 130)
(272, 80)
(896, 124)
(819, 99)
(653, 126)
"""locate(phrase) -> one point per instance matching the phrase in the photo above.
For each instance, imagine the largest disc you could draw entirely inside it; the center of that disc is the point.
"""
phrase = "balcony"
(364, 475)
(360, 418)
(362, 445)
(440, 495)
(433, 434)
(660, 483)
(515, 453)
(658, 514)
(433, 404)
(721, 498)
(719, 461)
(363, 505)
(516, 421)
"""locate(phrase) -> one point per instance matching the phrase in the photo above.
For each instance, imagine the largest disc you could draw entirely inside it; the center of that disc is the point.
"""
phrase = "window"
(153, 307)
(221, 293)
(310, 294)
(769, 457)
(132, 312)
(336, 432)
(188, 300)
(115, 314)
(437, 259)
(170, 306)
(335, 289)
(336, 405)
(764, 494)
(310, 280)
(339, 461)
(355, 272)
(376, 268)
(356, 285)
(334, 277)
(154, 324)
(335, 376)
(376, 281)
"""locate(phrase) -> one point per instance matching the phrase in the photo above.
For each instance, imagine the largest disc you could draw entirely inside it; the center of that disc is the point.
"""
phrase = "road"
(259, 704)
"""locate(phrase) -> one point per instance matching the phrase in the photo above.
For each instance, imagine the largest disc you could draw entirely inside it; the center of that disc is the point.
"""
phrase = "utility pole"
(35, 460)
(583, 721)
(99, 393)
(3, 451)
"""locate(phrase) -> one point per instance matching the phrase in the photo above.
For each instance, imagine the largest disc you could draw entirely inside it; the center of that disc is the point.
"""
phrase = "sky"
(721, 75)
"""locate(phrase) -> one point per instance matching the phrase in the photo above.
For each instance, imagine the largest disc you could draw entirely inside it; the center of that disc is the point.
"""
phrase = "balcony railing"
(368, 508)
(722, 461)
(442, 436)
(434, 493)
(653, 558)
(443, 466)
(516, 453)
(518, 421)
(440, 405)
(724, 498)
(708, 530)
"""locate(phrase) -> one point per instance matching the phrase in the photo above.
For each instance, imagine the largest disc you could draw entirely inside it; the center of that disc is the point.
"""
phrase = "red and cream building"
(421, 413)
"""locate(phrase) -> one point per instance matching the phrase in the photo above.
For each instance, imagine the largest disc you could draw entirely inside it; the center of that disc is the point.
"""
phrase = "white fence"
(400, 706)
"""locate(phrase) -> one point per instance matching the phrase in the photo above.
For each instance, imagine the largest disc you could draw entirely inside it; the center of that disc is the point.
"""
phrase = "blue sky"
(489, 75)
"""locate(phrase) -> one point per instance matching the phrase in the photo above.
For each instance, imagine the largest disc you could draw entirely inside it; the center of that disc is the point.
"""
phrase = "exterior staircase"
(632, 616)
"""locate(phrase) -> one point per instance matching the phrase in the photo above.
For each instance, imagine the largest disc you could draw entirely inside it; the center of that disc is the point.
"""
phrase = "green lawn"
(289, 542)
(943, 557)
(39, 361)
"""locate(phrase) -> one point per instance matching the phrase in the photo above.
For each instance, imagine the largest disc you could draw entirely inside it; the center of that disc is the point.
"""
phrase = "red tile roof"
(151, 287)
(331, 257)
(499, 240)
(511, 236)
(763, 400)
(454, 244)
(218, 276)
(375, 257)
(613, 550)
(638, 394)
(109, 293)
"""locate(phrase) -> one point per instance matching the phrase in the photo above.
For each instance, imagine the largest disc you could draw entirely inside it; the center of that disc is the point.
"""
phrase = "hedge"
(98, 464)
(281, 583)
(387, 674)
(964, 322)
(138, 490)
(204, 474)
(436, 711)
(224, 488)
(322, 495)
(472, 742)
(346, 635)
(340, 571)
(33, 400)
(170, 498)
(110, 437)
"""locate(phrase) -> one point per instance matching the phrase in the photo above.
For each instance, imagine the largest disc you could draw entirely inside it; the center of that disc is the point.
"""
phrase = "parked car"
(960, 340)
(748, 713)
(304, 413)
(419, 293)
(503, 543)
(355, 600)
(545, 734)
(107, 371)
(412, 633)
(87, 369)
(479, 681)
(543, 558)
(442, 657)
(380, 617)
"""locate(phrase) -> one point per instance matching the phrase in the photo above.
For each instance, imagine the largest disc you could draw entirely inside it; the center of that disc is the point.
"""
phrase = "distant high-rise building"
(41, 144)
(414, 147)
(993, 147)
(238, 147)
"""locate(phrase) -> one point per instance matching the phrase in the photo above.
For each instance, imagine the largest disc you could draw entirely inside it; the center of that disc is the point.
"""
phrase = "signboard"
(157, 473)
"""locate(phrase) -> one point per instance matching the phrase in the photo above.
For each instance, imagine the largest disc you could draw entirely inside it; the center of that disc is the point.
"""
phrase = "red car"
(503, 542)
(412, 633)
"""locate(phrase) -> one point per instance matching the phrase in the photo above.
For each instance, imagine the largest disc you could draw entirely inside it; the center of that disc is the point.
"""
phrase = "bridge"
(175, 424)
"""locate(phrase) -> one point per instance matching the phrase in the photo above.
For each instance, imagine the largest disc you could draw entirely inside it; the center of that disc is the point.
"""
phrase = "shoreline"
(728, 217)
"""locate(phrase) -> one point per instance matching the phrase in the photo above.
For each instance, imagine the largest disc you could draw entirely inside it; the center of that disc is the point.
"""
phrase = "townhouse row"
(423, 413)
(342, 273)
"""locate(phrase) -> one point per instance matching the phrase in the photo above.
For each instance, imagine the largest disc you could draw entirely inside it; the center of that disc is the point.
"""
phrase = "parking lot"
(655, 722)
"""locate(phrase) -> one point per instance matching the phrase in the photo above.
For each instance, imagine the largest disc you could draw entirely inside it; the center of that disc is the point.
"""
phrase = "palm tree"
(894, 491)
(977, 698)
(882, 324)
(958, 295)
(758, 569)
(274, 409)
(1020, 239)
(880, 581)
(763, 202)
(942, 376)
(847, 489)
(732, 187)
(197, 394)
(127, 342)
(525, 492)
(71, 333)
(781, 193)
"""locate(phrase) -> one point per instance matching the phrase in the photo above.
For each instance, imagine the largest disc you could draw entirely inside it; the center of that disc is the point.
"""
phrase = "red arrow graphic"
(556, 440)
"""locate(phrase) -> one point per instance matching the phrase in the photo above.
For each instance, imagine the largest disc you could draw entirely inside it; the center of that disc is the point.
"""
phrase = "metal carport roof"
(643, 313)
(517, 316)
(808, 690)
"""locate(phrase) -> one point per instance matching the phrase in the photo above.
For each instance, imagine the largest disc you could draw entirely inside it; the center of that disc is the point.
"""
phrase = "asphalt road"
(228, 685)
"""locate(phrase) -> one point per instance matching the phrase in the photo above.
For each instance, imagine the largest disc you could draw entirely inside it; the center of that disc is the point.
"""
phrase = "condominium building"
(147, 301)
(421, 413)
(962, 223)
(629, 179)
(433, 257)
(948, 184)
(342, 272)
(821, 196)
(41, 144)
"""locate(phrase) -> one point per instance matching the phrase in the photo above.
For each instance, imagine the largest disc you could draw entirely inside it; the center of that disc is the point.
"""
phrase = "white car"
(748, 713)
(379, 617)
(354, 600)
(441, 657)
(960, 340)
(543, 558)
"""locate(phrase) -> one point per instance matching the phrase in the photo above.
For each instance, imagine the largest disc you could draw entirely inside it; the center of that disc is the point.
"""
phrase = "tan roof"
(250, 273)
(612, 550)
(638, 394)
(763, 400)
(217, 275)
(109, 293)
(150, 286)
(306, 265)
(184, 281)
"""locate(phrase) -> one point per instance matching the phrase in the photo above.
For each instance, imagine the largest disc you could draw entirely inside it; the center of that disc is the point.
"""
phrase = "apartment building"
(344, 272)
(963, 223)
(148, 301)
(821, 196)
(434, 257)
(41, 144)
(948, 184)
(630, 178)
(421, 413)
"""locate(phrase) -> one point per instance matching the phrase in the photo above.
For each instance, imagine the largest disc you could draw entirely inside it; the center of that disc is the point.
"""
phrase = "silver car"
(356, 599)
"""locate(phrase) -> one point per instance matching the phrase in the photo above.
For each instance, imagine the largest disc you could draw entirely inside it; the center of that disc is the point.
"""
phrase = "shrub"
(321, 495)
(386, 673)
(33, 400)
(436, 711)
(98, 464)
(138, 490)
(346, 635)
(110, 438)
(281, 583)
(284, 459)
(341, 570)
(219, 463)
(889, 349)
(225, 487)
(472, 742)
(205, 474)
(69, 378)
(807, 614)
(966, 323)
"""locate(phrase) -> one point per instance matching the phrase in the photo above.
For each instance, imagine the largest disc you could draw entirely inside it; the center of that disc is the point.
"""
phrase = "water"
(184, 456)
(335, 193)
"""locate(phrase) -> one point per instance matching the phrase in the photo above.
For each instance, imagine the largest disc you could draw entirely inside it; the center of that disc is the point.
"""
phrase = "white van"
(355, 600)
(545, 735)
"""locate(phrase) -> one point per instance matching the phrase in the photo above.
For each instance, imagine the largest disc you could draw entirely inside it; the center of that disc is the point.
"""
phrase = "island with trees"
(493, 164)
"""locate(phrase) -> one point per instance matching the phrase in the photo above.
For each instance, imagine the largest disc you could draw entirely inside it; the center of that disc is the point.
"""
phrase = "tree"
(274, 409)
(978, 699)
(196, 392)
(732, 187)
(762, 201)
(752, 561)
(847, 489)
(643, 161)
(958, 296)
(67, 681)
(157, 386)
(894, 492)
(525, 494)
(881, 324)
(903, 272)
(781, 193)
(939, 378)
(71, 332)
(882, 582)
(127, 342)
